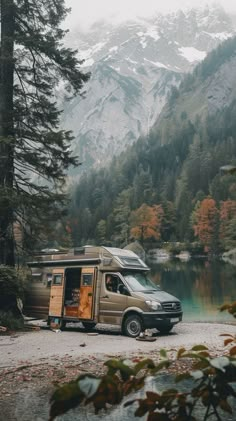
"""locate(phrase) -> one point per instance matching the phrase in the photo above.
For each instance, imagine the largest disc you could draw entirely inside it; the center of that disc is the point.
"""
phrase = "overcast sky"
(85, 12)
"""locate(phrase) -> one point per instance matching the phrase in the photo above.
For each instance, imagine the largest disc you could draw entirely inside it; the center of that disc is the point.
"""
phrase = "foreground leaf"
(89, 385)
(220, 363)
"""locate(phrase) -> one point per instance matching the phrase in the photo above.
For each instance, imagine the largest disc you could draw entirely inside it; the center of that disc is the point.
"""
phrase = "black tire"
(132, 326)
(62, 325)
(88, 326)
(165, 329)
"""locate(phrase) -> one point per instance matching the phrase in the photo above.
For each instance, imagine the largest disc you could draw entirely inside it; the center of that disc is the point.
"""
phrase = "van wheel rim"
(134, 327)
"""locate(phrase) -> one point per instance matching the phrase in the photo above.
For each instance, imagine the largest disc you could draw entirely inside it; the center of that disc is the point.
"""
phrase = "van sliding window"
(57, 279)
(87, 279)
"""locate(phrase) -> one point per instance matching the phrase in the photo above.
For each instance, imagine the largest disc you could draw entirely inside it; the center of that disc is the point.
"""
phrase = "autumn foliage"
(210, 220)
(146, 222)
(205, 221)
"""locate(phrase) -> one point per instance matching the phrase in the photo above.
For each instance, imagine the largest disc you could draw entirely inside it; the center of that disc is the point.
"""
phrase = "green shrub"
(11, 282)
(10, 321)
(12, 288)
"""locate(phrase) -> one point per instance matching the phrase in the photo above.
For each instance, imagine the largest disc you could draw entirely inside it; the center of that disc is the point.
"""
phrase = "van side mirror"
(126, 292)
(123, 290)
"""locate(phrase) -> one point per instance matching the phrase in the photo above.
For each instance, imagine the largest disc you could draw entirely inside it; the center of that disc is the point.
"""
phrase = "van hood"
(160, 296)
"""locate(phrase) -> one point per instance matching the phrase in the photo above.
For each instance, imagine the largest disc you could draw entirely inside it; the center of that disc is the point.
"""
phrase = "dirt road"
(32, 362)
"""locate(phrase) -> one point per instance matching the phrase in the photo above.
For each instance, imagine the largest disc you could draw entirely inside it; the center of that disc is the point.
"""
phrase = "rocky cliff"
(133, 67)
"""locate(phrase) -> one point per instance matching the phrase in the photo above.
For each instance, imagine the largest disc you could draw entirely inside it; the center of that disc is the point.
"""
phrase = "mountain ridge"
(133, 68)
(175, 170)
(213, 85)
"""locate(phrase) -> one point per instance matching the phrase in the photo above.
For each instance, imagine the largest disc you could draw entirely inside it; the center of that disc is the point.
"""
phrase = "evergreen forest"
(35, 152)
(168, 186)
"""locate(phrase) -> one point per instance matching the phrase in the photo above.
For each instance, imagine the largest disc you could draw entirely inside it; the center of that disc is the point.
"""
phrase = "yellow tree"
(146, 221)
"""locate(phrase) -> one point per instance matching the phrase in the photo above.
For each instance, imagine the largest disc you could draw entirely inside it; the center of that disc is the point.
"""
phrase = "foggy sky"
(85, 12)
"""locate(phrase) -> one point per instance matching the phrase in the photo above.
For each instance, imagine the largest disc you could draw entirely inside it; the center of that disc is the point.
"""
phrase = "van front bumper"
(154, 319)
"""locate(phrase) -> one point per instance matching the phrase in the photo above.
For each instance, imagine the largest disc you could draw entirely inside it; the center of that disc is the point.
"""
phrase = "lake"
(202, 286)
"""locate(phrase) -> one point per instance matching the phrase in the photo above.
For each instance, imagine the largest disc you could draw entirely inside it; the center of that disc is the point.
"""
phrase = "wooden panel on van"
(86, 293)
(57, 293)
(71, 311)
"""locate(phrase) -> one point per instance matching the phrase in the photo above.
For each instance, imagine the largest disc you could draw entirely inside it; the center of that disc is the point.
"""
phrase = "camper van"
(99, 285)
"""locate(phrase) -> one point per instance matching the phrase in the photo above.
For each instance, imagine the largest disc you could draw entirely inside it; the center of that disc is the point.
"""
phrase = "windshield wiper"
(148, 290)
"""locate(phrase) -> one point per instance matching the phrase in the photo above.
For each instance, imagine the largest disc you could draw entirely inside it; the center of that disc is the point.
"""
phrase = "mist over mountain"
(207, 91)
(174, 170)
(133, 67)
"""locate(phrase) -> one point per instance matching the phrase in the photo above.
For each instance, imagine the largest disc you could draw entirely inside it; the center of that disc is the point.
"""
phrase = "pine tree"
(120, 217)
(101, 232)
(168, 223)
(34, 151)
(227, 223)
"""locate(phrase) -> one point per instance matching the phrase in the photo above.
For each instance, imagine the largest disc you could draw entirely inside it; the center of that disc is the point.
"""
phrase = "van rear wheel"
(133, 326)
(89, 326)
(62, 325)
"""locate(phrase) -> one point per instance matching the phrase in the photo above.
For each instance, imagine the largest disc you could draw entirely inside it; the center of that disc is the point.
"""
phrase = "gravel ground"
(32, 346)
(32, 362)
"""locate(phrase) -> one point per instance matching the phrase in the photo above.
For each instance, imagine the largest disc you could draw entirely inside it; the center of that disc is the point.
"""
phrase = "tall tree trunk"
(6, 132)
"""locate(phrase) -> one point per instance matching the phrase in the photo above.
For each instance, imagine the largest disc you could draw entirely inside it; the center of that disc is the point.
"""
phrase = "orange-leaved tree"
(145, 222)
(205, 221)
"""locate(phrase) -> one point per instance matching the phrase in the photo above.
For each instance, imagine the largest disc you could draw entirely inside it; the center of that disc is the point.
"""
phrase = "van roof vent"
(132, 261)
(79, 250)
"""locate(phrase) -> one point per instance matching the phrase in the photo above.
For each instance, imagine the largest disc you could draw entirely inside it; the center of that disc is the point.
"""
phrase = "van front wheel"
(133, 326)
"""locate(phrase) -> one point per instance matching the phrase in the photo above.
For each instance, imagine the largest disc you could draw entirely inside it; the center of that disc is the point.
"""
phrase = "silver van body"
(99, 285)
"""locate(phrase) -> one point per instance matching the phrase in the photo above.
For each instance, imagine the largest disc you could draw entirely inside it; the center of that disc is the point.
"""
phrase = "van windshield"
(138, 281)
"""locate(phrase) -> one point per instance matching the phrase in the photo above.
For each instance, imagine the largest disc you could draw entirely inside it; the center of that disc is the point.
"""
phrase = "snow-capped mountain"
(133, 67)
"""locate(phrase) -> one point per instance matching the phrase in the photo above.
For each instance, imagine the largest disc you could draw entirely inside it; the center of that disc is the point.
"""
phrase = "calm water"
(201, 286)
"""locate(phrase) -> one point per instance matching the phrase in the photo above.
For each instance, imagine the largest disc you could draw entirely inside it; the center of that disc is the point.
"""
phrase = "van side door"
(113, 299)
(56, 303)
(87, 292)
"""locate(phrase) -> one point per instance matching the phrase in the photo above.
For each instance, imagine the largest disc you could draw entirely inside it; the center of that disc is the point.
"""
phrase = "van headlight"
(154, 305)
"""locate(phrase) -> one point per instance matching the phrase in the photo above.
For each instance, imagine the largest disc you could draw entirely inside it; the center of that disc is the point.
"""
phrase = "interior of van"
(72, 291)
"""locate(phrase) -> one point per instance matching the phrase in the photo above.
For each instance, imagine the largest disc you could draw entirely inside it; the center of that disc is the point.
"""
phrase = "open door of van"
(56, 304)
(87, 293)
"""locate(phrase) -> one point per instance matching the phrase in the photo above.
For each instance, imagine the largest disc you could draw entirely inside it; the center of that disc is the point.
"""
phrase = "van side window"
(87, 279)
(114, 284)
(122, 289)
(49, 280)
(37, 277)
(111, 283)
(57, 279)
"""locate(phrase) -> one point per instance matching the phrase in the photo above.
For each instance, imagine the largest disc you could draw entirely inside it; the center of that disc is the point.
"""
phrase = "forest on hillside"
(167, 187)
(173, 192)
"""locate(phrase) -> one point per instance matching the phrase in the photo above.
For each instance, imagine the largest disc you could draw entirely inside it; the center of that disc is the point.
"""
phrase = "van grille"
(173, 306)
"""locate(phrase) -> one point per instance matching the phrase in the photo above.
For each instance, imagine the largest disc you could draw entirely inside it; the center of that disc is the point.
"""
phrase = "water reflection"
(202, 286)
